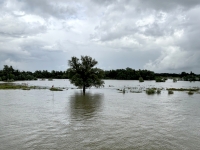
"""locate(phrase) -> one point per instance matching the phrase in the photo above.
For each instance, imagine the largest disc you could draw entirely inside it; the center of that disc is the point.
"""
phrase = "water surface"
(102, 119)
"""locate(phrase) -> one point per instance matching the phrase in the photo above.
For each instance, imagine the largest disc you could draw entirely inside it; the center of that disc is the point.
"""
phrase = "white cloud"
(154, 34)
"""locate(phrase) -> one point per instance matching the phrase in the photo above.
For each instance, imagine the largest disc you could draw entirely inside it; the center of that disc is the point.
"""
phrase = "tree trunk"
(83, 89)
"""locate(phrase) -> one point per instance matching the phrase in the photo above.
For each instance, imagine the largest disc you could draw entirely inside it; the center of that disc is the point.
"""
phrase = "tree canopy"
(83, 74)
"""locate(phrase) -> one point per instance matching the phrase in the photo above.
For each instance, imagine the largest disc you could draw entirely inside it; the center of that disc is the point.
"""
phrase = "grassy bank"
(12, 86)
(183, 89)
(56, 89)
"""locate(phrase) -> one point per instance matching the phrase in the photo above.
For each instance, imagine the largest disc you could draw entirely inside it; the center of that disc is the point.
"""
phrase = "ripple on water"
(103, 119)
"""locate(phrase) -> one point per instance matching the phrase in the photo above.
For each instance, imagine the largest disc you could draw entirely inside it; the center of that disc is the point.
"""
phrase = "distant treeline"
(129, 74)
(10, 74)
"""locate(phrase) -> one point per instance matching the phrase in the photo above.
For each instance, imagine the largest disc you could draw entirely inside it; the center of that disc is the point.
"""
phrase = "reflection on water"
(85, 106)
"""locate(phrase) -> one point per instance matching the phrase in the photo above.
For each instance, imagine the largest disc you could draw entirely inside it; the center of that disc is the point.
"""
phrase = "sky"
(157, 35)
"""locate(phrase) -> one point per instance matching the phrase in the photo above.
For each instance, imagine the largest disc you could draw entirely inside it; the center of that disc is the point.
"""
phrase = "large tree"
(83, 74)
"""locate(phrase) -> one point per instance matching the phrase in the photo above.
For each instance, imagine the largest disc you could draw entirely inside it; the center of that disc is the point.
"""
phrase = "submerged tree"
(83, 74)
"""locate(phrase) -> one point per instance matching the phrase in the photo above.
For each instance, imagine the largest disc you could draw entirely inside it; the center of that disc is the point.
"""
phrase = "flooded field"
(102, 119)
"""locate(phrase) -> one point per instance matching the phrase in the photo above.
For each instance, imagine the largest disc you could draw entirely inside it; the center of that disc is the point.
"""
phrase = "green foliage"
(83, 74)
(10, 80)
(25, 88)
(13, 86)
(129, 74)
(6, 86)
(170, 92)
(9, 74)
(190, 93)
(182, 76)
(141, 79)
(150, 91)
(160, 79)
(158, 91)
(182, 89)
(55, 89)
(174, 80)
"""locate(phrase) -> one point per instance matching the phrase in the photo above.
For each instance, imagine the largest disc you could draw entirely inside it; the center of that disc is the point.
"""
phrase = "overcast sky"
(157, 35)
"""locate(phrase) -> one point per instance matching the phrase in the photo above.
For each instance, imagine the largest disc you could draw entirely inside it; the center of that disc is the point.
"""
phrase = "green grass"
(55, 89)
(135, 91)
(25, 88)
(182, 89)
(12, 86)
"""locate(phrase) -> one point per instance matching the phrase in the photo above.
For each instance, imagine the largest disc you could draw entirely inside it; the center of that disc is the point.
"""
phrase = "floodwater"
(103, 119)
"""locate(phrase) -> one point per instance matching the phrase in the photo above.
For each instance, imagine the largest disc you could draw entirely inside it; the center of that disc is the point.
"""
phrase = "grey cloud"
(1, 2)
(103, 2)
(156, 35)
(142, 5)
(48, 8)
(178, 62)
(16, 27)
(168, 5)
(32, 56)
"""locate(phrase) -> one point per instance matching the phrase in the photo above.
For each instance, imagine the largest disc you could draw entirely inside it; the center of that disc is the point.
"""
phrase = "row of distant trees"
(182, 76)
(129, 74)
(10, 74)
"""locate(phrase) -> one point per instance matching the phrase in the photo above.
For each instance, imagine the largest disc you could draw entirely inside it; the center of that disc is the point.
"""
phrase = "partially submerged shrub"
(8, 86)
(141, 79)
(170, 92)
(175, 80)
(131, 91)
(123, 91)
(190, 93)
(182, 89)
(150, 91)
(10, 80)
(25, 88)
(159, 79)
(55, 89)
(158, 91)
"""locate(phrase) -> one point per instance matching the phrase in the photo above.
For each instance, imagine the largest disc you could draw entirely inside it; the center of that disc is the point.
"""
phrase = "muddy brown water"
(102, 119)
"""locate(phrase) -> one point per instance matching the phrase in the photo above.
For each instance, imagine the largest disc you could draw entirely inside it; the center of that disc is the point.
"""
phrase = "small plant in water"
(123, 91)
(25, 88)
(55, 89)
(158, 91)
(150, 91)
(160, 79)
(190, 93)
(141, 79)
(170, 92)
(175, 80)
